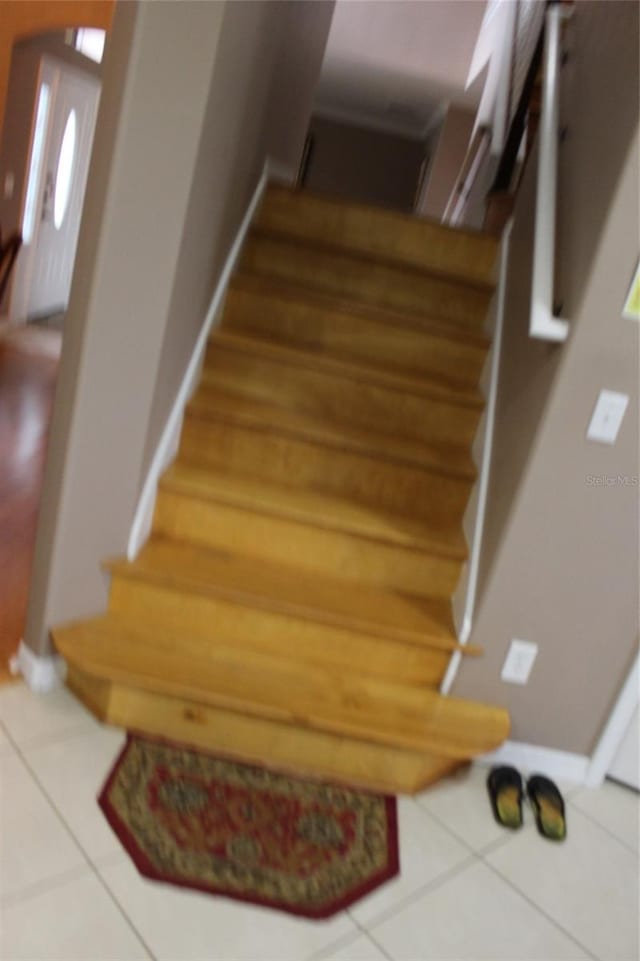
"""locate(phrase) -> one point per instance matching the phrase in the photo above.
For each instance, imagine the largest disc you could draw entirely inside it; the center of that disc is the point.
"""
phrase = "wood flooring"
(28, 370)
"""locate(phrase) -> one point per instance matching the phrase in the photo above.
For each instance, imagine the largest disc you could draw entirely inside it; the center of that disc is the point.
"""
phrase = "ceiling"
(397, 63)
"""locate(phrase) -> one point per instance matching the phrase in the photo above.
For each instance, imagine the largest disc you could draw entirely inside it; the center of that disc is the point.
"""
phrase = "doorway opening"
(49, 123)
(47, 136)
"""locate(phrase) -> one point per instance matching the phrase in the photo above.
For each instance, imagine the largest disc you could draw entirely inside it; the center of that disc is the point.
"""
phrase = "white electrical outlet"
(519, 661)
(607, 416)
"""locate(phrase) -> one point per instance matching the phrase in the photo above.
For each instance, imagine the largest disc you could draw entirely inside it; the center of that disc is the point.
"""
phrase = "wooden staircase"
(292, 605)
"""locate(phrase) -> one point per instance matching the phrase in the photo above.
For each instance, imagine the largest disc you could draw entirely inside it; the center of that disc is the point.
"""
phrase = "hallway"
(28, 368)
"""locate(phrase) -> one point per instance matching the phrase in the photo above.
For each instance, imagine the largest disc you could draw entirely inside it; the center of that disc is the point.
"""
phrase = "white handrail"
(542, 323)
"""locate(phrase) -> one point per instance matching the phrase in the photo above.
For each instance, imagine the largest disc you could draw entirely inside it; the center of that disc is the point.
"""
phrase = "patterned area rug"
(245, 832)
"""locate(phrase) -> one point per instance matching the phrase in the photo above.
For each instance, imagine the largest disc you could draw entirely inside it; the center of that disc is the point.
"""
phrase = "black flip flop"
(504, 785)
(548, 807)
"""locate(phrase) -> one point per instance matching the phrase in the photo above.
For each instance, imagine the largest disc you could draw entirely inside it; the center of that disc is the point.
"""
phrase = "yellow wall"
(24, 18)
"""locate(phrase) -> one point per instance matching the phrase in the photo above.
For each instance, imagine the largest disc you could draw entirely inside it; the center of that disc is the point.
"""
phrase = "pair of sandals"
(506, 792)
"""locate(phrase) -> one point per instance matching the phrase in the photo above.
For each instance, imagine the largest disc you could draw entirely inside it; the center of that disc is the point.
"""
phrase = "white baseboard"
(41, 674)
(531, 758)
(477, 447)
(464, 599)
(169, 439)
(614, 730)
(167, 449)
(470, 516)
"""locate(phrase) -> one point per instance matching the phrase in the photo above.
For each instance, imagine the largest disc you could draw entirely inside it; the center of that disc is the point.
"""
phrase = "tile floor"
(468, 890)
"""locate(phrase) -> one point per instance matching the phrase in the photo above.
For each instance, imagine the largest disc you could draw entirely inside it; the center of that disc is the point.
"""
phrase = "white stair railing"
(543, 323)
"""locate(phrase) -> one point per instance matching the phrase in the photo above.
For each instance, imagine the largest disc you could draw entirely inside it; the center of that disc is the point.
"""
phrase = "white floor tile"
(179, 924)
(426, 851)
(76, 921)
(35, 845)
(361, 948)
(461, 802)
(28, 716)
(472, 917)
(72, 771)
(616, 808)
(588, 884)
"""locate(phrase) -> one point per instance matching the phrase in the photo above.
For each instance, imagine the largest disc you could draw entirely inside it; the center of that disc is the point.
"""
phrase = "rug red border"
(145, 867)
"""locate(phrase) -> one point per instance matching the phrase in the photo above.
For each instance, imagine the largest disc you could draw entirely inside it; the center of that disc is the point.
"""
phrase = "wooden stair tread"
(372, 259)
(351, 371)
(366, 609)
(374, 313)
(348, 273)
(286, 747)
(407, 491)
(407, 238)
(210, 401)
(313, 508)
(280, 689)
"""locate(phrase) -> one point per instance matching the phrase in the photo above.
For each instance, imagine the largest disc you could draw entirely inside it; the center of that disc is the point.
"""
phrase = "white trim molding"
(616, 727)
(464, 599)
(543, 324)
(41, 674)
(558, 765)
(170, 437)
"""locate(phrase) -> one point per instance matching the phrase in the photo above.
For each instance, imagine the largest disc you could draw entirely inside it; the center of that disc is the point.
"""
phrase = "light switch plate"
(519, 661)
(607, 416)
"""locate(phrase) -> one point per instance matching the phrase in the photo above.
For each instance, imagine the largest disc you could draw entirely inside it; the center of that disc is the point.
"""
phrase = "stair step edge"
(400, 217)
(456, 394)
(429, 637)
(238, 704)
(437, 546)
(378, 313)
(334, 718)
(258, 231)
(349, 440)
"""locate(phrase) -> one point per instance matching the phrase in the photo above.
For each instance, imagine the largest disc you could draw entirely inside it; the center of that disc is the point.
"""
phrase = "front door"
(71, 115)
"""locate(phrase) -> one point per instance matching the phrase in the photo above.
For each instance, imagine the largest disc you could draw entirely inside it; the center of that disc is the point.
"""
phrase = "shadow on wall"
(362, 164)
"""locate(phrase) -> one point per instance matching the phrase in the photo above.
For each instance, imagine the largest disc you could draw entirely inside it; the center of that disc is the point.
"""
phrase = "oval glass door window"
(65, 171)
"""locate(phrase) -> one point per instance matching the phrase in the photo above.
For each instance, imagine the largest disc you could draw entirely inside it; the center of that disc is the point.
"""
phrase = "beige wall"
(182, 135)
(398, 52)
(447, 161)
(560, 564)
(259, 104)
(362, 164)
(304, 39)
